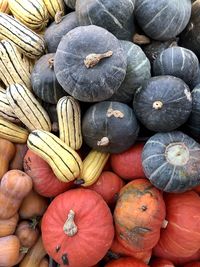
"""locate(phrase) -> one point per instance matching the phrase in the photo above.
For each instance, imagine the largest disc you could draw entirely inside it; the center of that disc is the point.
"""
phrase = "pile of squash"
(99, 133)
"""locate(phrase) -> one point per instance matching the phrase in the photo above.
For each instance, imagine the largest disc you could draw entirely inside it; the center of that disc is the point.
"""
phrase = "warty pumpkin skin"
(139, 215)
(127, 261)
(181, 236)
(77, 228)
(162, 20)
(87, 67)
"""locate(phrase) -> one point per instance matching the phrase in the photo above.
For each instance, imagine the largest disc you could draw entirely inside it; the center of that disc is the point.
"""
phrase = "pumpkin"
(162, 20)
(192, 264)
(122, 96)
(70, 3)
(7, 152)
(116, 17)
(17, 161)
(34, 255)
(139, 214)
(27, 233)
(44, 82)
(9, 250)
(73, 231)
(8, 226)
(55, 31)
(126, 261)
(193, 122)
(159, 262)
(98, 70)
(44, 180)
(117, 250)
(108, 185)
(181, 236)
(197, 189)
(179, 62)
(171, 161)
(163, 104)
(109, 126)
(15, 185)
(189, 38)
(33, 205)
(128, 164)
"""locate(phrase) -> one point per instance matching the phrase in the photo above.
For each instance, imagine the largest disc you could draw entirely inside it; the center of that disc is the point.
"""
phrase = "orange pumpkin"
(126, 262)
(158, 262)
(128, 164)
(139, 215)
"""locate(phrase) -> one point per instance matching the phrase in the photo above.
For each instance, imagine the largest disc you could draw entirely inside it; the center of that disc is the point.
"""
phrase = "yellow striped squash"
(69, 121)
(54, 7)
(64, 161)
(6, 110)
(27, 108)
(12, 132)
(29, 42)
(32, 13)
(93, 165)
(14, 66)
(4, 7)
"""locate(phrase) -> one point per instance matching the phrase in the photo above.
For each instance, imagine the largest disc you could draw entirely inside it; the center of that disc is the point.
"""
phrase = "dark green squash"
(70, 3)
(122, 96)
(179, 62)
(90, 63)
(163, 104)
(171, 161)
(44, 82)
(115, 16)
(110, 127)
(52, 112)
(162, 20)
(55, 31)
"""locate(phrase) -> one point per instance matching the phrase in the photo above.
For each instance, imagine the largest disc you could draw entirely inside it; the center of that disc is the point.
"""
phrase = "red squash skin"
(181, 237)
(119, 250)
(128, 164)
(126, 262)
(139, 229)
(192, 264)
(161, 263)
(197, 189)
(45, 182)
(93, 220)
(108, 186)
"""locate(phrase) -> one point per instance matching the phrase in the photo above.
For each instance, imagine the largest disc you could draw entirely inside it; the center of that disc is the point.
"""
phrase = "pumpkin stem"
(34, 222)
(58, 17)
(115, 113)
(70, 227)
(103, 142)
(141, 39)
(157, 104)
(93, 59)
(164, 224)
(79, 181)
(51, 62)
(23, 250)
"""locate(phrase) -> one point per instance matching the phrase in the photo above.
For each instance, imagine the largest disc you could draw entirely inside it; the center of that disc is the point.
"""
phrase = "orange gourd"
(33, 205)
(7, 152)
(9, 250)
(159, 262)
(8, 226)
(15, 185)
(126, 262)
(192, 264)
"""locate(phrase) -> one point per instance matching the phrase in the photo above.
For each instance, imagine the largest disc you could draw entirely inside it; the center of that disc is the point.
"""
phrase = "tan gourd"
(17, 162)
(44, 262)
(8, 226)
(9, 250)
(7, 152)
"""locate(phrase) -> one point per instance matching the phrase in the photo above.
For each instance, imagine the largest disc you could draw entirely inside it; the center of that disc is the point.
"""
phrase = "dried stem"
(70, 227)
(93, 59)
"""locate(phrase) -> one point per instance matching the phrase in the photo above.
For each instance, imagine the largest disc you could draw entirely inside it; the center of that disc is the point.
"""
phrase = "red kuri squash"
(139, 215)
(159, 262)
(128, 164)
(77, 228)
(45, 182)
(126, 262)
(192, 264)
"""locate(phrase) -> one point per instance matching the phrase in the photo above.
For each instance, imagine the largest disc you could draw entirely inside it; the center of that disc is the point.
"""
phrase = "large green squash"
(90, 63)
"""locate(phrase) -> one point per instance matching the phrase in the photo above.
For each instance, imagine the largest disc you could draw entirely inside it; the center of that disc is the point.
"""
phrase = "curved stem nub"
(58, 17)
(70, 227)
(157, 104)
(51, 62)
(93, 59)
(103, 142)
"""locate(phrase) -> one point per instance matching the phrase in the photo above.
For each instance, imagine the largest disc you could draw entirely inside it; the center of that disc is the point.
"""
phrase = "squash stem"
(103, 142)
(164, 224)
(141, 39)
(23, 250)
(157, 105)
(51, 62)
(58, 17)
(70, 227)
(93, 59)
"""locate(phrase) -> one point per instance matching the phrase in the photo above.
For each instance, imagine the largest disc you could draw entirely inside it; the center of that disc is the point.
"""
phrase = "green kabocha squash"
(162, 20)
(179, 62)
(70, 3)
(110, 126)
(171, 161)
(163, 104)
(90, 63)
(54, 33)
(115, 16)
(44, 82)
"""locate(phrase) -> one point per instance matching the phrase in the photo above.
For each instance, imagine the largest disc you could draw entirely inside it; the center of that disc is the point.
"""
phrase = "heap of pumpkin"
(99, 133)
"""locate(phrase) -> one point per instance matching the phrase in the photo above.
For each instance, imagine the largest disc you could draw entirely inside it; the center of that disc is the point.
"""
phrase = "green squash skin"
(120, 131)
(70, 3)
(178, 176)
